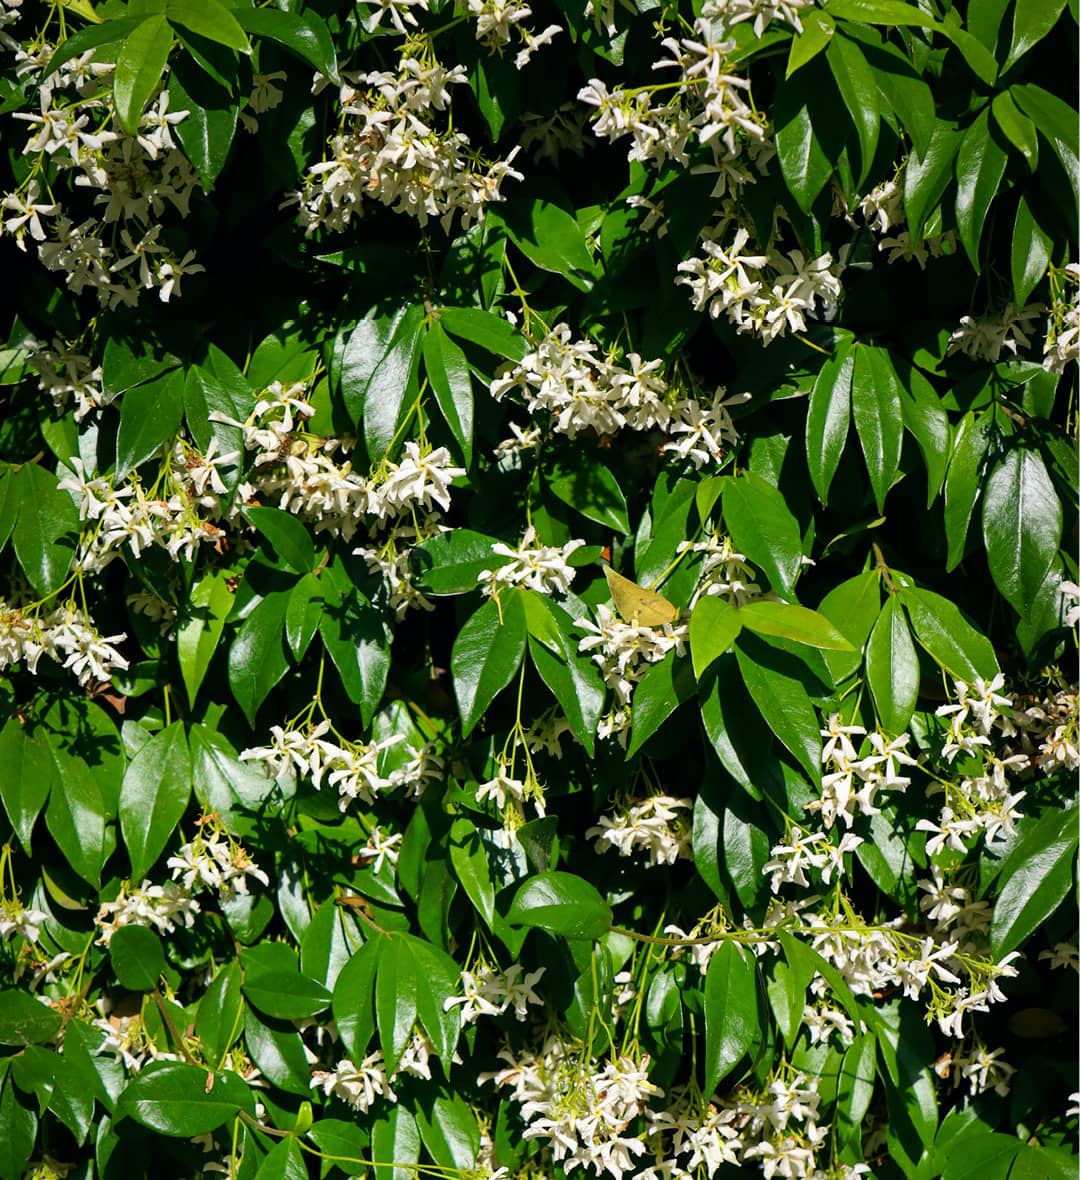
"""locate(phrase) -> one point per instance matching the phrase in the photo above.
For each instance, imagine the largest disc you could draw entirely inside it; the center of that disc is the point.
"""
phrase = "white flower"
(542, 568)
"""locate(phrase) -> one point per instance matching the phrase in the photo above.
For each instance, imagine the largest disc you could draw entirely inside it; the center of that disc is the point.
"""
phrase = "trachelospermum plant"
(538, 590)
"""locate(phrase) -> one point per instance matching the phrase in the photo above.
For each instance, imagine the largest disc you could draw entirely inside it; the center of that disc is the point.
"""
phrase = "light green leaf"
(257, 659)
(199, 629)
(964, 481)
(181, 1100)
(210, 19)
(304, 34)
(470, 864)
(45, 529)
(1032, 892)
(947, 635)
(855, 81)
(220, 1016)
(762, 526)
(588, 486)
(927, 175)
(139, 66)
(827, 420)
(485, 328)
(1032, 21)
(876, 408)
(29, 773)
(1017, 128)
(818, 30)
(788, 621)
(892, 668)
(1032, 249)
(714, 624)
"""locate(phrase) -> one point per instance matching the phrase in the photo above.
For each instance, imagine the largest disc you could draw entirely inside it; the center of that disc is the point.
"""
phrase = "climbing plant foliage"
(538, 589)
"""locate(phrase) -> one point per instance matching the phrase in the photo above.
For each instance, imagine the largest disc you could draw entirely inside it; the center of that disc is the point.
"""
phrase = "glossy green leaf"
(353, 1001)
(1032, 21)
(396, 987)
(487, 654)
(470, 864)
(571, 676)
(948, 636)
(182, 1100)
(451, 562)
(137, 957)
(731, 1011)
(855, 1088)
(1056, 121)
(24, 1020)
(210, 19)
(892, 668)
(448, 373)
(1032, 248)
(257, 659)
(355, 636)
(589, 487)
(289, 538)
(876, 408)
(395, 1138)
(29, 773)
(928, 174)
(285, 995)
(550, 238)
(817, 32)
(827, 420)
(788, 621)
(449, 1130)
(561, 903)
(20, 1125)
(980, 166)
(304, 34)
(219, 1019)
(207, 134)
(805, 166)
(150, 416)
(139, 66)
(377, 368)
(485, 328)
(46, 528)
(75, 815)
(714, 624)
(1032, 893)
(928, 424)
(284, 1162)
(154, 796)
(855, 81)
(964, 481)
(200, 628)
(92, 37)
(852, 607)
(278, 1052)
(663, 687)
(303, 613)
(762, 527)
(1022, 523)
(1017, 128)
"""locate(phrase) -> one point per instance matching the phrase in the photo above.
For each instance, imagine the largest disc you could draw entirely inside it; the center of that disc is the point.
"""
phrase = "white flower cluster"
(497, 20)
(984, 338)
(179, 519)
(352, 768)
(761, 12)
(724, 572)
(777, 1126)
(213, 861)
(65, 635)
(157, 906)
(510, 794)
(65, 374)
(580, 1112)
(765, 294)
(299, 471)
(653, 825)
(852, 784)
(389, 150)
(620, 649)
(981, 1070)
(360, 1085)
(705, 105)
(1062, 346)
(536, 566)
(487, 991)
(18, 920)
(116, 254)
(883, 210)
(803, 850)
(585, 391)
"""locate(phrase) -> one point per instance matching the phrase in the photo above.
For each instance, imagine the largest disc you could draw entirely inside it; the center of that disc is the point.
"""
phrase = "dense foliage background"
(539, 594)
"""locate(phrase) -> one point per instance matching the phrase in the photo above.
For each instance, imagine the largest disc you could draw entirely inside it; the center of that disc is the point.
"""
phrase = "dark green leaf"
(1032, 893)
(1032, 21)
(805, 166)
(731, 1011)
(358, 642)
(395, 1139)
(138, 957)
(220, 1016)
(762, 527)
(209, 19)
(892, 668)
(590, 488)
(353, 1001)
(449, 1130)
(927, 175)
(827, 420)
(396, 987)
(964, 481)
(150, 416)
(485, 328)
(46, 528)
(303, 34)
(24, 1020)
(1022, 523)
(284, 1162)
(1032, 248)
(29, 773)
(562, 904)
(75, 815)
(948, 636)
(289, 538)
(206, 135)
(928, 424)
(451, 563)
(285, 995)
(875, 404)
(1017, 128)
(855, 81)
(448, 373)
(181, 1100)
(980, 166)
(1056, 122)
(257, 659)
(154, 796)
(663, 687)
(487, 654)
